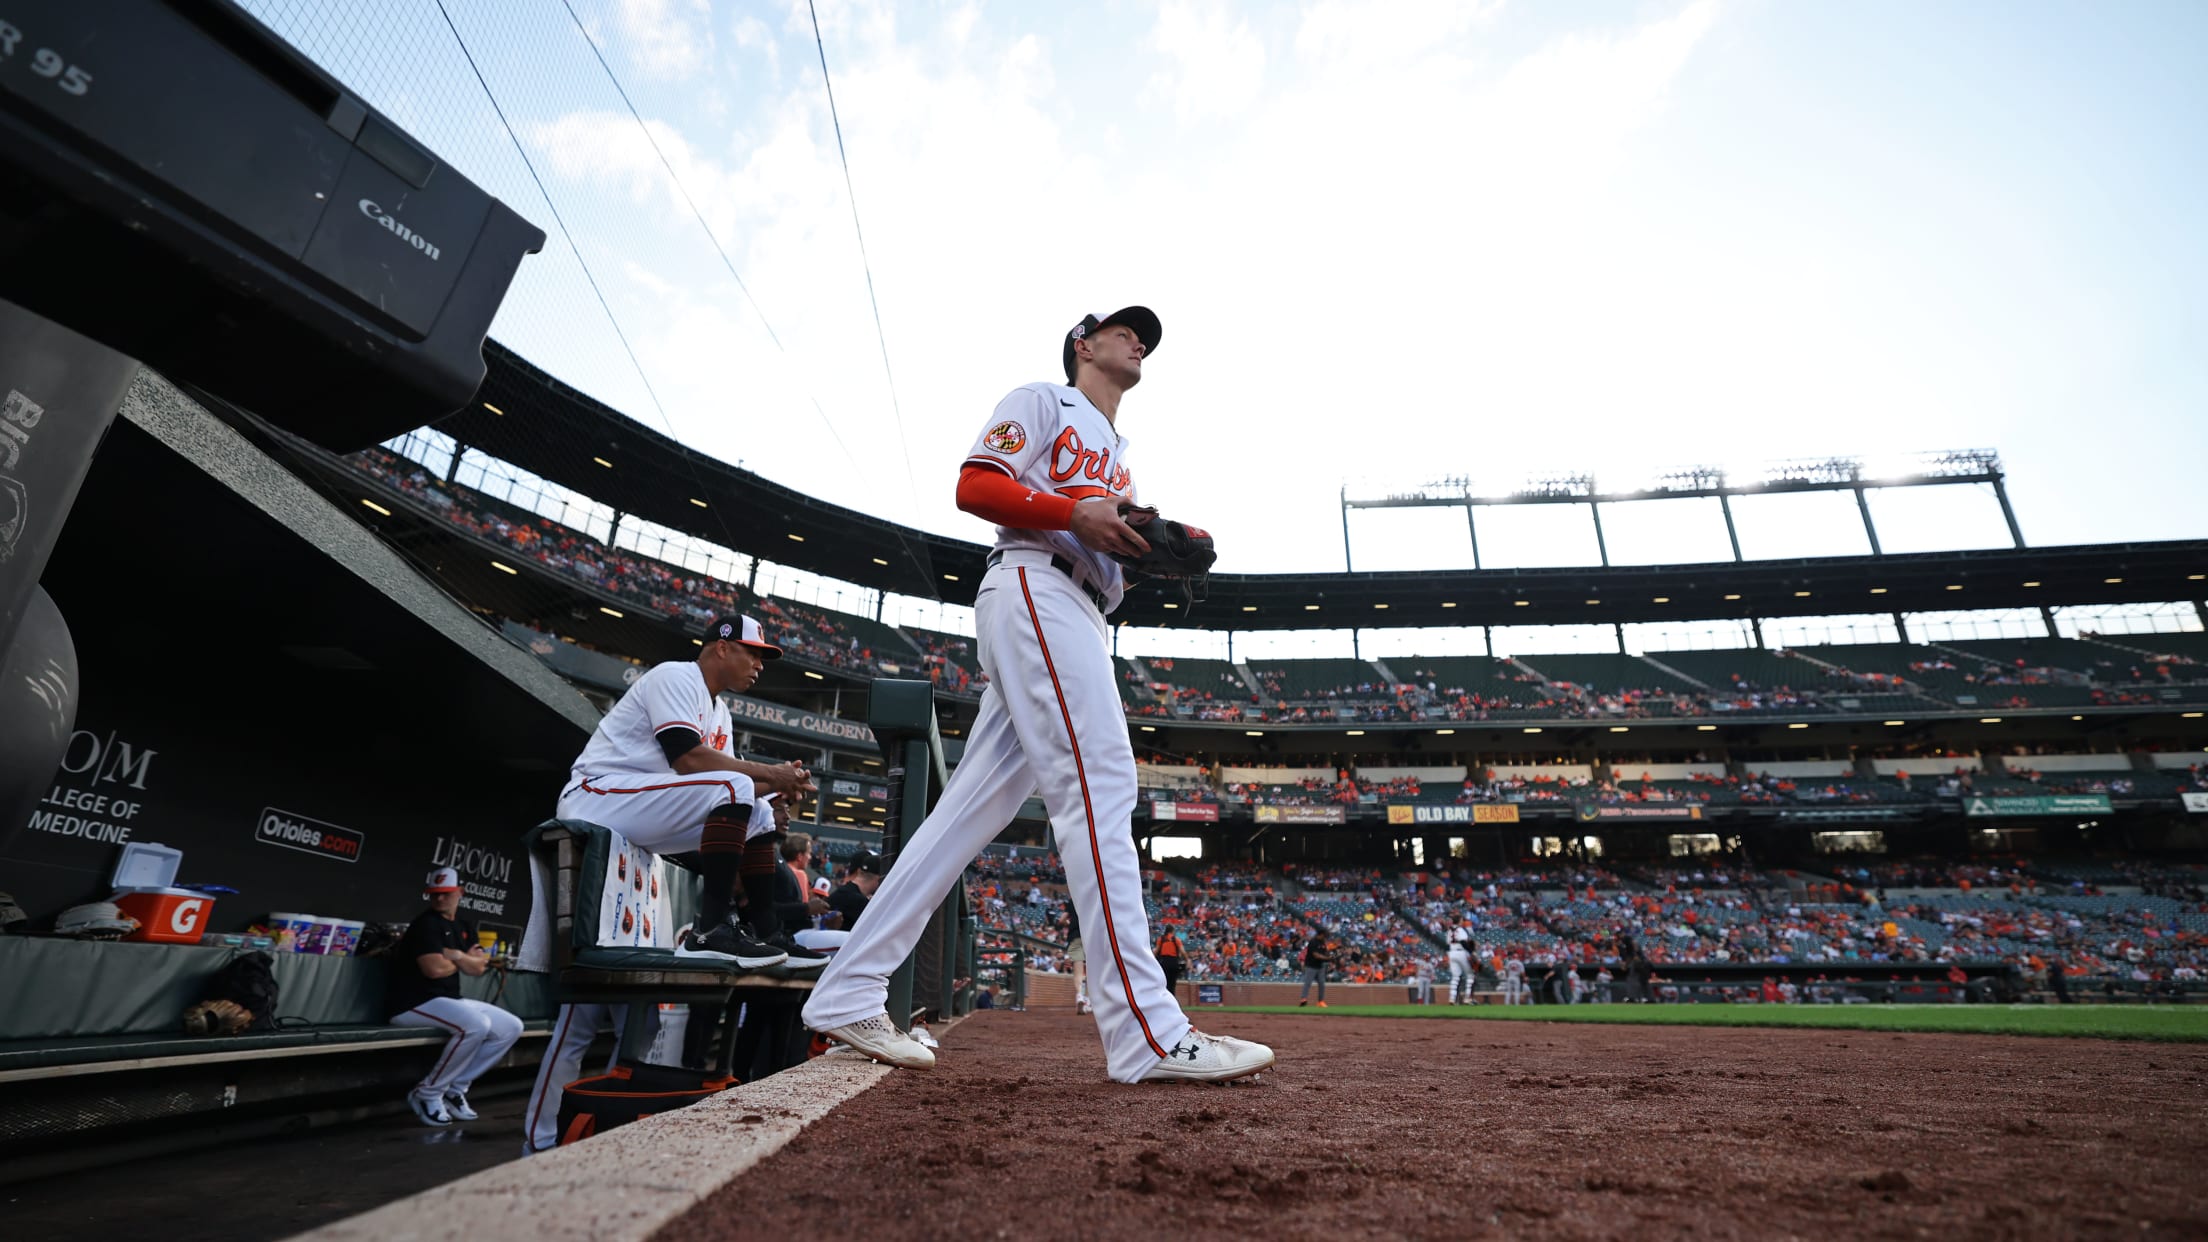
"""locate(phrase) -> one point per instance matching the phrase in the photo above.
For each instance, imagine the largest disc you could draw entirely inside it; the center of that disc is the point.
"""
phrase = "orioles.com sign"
(293, 831)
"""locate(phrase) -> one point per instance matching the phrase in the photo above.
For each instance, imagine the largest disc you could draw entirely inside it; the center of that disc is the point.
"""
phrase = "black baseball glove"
(1176, 550)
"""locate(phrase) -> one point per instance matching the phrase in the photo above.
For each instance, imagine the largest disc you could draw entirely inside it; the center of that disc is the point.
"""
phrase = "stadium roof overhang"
(1822, 586)
(570, 438)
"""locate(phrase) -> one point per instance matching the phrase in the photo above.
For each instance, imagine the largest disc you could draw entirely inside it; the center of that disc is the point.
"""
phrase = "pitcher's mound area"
(1453, 1129)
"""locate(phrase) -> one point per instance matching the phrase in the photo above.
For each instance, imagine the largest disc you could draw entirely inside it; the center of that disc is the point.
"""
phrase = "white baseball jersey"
(1051, 439)
(668, 696)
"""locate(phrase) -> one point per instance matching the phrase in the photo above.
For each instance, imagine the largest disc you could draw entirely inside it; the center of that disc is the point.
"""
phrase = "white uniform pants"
(481, 1034)
(1050, 718)
(1460, 977)
(657, 811)
(576, 1026)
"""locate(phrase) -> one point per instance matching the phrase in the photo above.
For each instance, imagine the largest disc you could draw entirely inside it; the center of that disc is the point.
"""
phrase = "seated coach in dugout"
(424, 990)
(660, 772)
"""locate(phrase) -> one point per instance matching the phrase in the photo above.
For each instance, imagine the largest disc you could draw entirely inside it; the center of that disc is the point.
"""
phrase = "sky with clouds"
(1388, 242)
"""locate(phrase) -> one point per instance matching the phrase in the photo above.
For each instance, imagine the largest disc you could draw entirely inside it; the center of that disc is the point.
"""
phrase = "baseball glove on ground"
(1177, 550)
(217, 1017)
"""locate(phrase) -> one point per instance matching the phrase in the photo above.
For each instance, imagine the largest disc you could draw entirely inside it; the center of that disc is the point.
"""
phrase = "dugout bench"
(770, 1036)
(94, 1067)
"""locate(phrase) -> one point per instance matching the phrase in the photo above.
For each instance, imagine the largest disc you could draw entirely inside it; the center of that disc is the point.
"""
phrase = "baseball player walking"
(1050, 469)
(658, 772)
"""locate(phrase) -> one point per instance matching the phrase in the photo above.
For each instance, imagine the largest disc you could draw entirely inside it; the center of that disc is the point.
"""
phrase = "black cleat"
(801, 958)
(727, 942)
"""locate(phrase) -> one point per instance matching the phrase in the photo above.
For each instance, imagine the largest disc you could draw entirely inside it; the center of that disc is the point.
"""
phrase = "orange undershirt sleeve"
(994, 496)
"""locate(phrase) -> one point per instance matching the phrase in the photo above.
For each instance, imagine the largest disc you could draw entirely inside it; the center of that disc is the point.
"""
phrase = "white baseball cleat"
(879, 1039)
(1211, 1058)
(431, 1111)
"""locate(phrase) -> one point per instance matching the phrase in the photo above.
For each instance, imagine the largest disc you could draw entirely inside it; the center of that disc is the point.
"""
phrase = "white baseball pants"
(576, 1026)
(481, 1034)
(1050, 718)
(1460, 977)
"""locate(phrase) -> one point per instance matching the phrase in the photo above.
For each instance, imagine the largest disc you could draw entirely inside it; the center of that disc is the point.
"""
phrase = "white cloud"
(1216, 68)
(1353, 222)
(668, 38)
(1346, 36)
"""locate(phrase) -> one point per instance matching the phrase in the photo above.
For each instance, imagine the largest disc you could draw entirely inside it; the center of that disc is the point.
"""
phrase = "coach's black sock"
(762, 855)
(720, 858)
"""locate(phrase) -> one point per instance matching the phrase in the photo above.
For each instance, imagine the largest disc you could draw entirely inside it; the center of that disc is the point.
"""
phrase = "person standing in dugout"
(424, 990)
(1050, 470)
(658, 770)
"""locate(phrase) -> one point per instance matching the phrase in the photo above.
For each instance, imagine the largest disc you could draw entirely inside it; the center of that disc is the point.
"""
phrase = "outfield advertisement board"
(1186, 812)
(1470, 813)
(1300, 815)
(2050, 804)
(1589, 814)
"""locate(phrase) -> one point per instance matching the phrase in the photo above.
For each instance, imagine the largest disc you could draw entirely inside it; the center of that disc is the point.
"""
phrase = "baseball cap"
(442, 880)
(870, 861)
(1141, 318)
(745, 630)
(822, 887)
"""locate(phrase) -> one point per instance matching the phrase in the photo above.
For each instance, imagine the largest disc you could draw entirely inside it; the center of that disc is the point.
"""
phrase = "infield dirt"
(1437, 1129)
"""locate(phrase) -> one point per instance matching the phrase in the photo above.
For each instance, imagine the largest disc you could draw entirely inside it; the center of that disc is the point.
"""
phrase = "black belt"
(1066, 567)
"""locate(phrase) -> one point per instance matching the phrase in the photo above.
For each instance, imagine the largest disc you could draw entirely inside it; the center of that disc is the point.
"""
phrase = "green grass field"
(2162, 1023)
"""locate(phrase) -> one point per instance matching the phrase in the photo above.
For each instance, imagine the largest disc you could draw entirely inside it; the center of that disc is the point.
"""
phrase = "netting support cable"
(917, 556)
(865, 264)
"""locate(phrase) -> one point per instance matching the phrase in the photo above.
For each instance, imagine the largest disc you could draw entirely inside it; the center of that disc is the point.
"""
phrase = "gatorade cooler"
(142, 891)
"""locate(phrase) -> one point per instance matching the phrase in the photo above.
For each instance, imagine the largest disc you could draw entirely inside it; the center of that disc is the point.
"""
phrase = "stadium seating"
(1309, 680)
(947, 656)
(1984, 675)
(1926, 667)
(2160, 648)
(1606, 673)
(1737, 668)
(842, 639)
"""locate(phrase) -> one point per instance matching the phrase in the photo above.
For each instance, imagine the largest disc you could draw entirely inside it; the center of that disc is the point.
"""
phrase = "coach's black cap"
(870, 862)
(1141, 318)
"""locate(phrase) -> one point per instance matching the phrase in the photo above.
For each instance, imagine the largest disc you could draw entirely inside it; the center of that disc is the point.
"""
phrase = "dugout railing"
(938, 978)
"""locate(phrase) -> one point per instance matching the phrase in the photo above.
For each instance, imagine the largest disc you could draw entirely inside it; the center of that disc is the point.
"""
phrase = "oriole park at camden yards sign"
(2052, 804)
(808, 724)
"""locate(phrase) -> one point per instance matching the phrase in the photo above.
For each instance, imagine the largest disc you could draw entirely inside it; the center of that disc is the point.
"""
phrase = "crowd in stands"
(1210, 692)
(2082, 783)
(1518, 787)
(949, 661)
(1241, 921)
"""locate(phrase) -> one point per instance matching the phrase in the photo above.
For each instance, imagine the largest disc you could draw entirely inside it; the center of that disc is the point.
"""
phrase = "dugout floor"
(261, 1189)
(1455, 1129)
